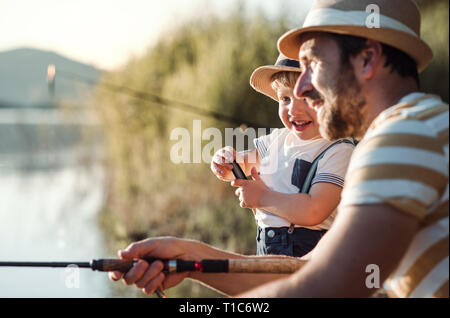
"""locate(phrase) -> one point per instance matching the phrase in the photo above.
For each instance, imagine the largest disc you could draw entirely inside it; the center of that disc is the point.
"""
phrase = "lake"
(52, 187)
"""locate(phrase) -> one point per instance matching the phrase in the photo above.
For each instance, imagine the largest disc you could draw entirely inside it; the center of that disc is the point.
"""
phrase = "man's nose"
(303, 84)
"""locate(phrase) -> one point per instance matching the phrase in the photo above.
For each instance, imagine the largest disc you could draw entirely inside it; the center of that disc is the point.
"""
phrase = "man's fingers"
(153, 271)
(152, 285)
(115, 276)
(137, 250)
(172, 279)
(135, 273)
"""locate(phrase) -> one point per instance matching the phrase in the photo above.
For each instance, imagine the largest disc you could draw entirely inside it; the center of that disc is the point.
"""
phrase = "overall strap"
(312, 171)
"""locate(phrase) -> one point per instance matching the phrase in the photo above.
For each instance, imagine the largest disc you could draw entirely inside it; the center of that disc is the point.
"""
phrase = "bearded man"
(393, 215)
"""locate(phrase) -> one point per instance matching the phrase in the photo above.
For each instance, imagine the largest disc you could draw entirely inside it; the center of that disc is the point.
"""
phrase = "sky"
(107, 33)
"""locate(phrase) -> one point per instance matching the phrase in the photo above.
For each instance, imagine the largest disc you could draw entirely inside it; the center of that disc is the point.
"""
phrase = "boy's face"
(296, 115)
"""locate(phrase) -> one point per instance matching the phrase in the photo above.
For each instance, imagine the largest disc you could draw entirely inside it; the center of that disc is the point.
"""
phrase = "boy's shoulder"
(342, 148)
(274, 134)
(278, 132)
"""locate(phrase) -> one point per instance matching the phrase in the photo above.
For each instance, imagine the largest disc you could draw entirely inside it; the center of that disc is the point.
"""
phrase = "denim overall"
(292, 241)
(285, 241)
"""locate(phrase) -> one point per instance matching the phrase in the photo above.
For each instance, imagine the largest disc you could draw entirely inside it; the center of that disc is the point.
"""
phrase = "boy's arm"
(300, 208)
(324, 196)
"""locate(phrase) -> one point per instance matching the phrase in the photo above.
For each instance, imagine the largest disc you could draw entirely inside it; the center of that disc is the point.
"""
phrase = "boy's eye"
(285, 99)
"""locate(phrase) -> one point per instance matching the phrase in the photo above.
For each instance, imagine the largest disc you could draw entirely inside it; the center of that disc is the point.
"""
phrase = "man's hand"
(146, 276)
(250, 192)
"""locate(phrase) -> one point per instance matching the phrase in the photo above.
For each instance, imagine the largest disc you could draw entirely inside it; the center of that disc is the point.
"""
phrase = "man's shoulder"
(416, 114)
(421, 125)
(403, 160)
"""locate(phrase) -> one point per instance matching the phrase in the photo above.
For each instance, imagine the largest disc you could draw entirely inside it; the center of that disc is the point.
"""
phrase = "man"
(392, 224)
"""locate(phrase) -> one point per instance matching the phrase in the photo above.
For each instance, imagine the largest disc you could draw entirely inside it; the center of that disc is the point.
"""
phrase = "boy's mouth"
(301, 124)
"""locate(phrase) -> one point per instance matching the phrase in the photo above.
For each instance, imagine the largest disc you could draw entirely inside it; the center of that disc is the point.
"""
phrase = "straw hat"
(261, 77)
(399, 25)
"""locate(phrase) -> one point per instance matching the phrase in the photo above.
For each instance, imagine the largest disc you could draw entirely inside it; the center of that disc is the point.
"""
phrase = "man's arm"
(232, 284)
(361, 235)
(148, 277)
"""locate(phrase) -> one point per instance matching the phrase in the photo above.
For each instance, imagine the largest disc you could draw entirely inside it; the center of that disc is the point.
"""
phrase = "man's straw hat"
(261, 77)
(399, 25)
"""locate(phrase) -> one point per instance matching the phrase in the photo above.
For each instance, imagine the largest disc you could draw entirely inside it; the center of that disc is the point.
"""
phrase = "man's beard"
(343, 114)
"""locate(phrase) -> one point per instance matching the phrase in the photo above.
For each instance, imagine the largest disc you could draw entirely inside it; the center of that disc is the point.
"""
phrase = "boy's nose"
(303, 84)
(297, 107)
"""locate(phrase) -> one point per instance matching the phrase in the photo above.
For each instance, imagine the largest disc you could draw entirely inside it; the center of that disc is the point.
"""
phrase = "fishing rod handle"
(283, 266)
(276, 266)
(107, 265)
(121, 265)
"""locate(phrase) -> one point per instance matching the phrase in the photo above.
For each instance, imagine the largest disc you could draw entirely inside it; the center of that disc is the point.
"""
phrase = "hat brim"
(261, 79)
(289, 43)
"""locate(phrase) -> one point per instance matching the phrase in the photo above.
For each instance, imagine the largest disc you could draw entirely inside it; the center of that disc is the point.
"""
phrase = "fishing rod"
(147, 96)
(279, 266)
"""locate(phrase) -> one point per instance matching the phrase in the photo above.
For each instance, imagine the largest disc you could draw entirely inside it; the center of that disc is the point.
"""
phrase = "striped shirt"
(403, 161)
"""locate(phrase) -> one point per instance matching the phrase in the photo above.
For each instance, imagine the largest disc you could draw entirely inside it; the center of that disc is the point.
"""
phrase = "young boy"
(289, 222)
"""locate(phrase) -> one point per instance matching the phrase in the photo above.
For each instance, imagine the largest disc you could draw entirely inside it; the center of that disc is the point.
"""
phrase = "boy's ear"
(368, 60)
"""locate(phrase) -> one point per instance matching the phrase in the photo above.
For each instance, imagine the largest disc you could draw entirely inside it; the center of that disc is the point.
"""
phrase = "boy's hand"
(221, 163)
(250, 192)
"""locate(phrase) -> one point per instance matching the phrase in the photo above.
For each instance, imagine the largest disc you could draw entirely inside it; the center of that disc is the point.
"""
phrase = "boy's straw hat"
(261, 77)
(399, 25)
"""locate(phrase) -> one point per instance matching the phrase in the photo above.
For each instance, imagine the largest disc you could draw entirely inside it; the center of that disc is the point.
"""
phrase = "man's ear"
(368, 60)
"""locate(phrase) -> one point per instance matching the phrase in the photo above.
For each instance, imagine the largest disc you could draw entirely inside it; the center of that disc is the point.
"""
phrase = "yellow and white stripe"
(403, 161)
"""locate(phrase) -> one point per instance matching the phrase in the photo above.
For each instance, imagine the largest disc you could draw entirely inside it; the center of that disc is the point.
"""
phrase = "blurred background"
(85, 163)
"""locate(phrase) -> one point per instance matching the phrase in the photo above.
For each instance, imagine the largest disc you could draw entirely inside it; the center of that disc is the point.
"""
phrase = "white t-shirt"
(284, 163)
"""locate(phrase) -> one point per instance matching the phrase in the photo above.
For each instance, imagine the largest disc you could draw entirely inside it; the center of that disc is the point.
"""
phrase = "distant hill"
(23, 79)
